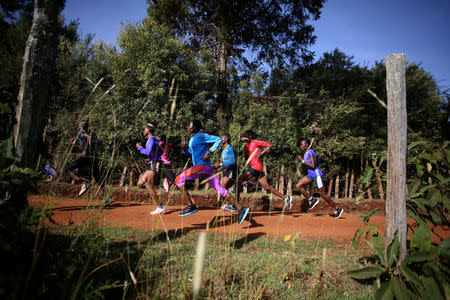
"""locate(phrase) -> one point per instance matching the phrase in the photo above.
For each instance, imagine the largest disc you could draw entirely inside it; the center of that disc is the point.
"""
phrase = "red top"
(255, 145)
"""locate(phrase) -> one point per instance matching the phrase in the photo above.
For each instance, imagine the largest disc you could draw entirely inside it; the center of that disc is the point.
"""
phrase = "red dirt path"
(319, 225)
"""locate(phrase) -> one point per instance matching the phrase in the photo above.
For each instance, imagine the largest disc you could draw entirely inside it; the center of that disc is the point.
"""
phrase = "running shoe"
(189, 209)
(108, 201)
(231, 209)
(160, 210)
(224, 206)
(288, 202)
(312, 203)
(84, 188)
(243, 212)
(338, 212)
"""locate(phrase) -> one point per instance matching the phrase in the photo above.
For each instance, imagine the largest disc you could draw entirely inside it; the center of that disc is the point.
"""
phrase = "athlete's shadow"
(217, 221)
(89, 207)
(238, 244)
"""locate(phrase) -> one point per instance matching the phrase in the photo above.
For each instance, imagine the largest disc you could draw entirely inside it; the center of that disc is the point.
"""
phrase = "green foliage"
(15, 184)
(424, 272)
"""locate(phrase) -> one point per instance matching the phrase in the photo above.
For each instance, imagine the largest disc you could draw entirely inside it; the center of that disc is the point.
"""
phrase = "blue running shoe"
(189, 209)
(243, 212)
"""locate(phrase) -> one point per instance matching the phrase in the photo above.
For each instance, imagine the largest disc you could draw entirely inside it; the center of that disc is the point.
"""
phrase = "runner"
(167, 171)
(199, 151)
(150, 179)
(88, 160)
(228, 166)
(314, 175)
(253, 147)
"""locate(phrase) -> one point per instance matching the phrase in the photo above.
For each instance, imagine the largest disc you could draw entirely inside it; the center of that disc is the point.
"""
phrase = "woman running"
(252, 149)
(228, 166)
(199, 149)
(150, 179)
(314, 175)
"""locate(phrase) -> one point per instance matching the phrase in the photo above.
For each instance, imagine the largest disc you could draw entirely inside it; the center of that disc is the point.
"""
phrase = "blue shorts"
(317, 180)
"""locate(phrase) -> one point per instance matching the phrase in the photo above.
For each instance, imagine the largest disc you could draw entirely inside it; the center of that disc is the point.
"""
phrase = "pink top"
(165, 154)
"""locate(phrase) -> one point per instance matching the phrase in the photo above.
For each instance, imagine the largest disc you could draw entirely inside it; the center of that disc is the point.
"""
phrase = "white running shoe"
(84, 188)
(159, 211)
(288, 202)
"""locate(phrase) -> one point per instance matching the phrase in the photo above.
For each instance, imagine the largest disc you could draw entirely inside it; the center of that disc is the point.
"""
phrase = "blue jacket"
(199, 144)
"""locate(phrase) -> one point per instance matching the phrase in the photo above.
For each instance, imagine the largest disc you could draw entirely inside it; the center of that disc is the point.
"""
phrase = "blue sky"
(368, 30)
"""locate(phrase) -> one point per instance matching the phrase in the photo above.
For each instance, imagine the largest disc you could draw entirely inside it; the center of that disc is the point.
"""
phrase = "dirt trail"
(276, 223)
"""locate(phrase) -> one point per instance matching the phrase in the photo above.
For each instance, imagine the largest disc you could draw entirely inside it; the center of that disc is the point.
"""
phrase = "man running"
(229, 168)
(150, 179)
(88, 160)
(198, 148)
(252, 149)
(314, 175)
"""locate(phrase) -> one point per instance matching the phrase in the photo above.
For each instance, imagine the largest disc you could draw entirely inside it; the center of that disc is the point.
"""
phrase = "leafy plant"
(424, 272)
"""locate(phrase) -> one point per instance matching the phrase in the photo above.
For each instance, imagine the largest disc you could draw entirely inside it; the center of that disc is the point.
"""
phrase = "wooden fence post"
(122, 177)
(396, 158)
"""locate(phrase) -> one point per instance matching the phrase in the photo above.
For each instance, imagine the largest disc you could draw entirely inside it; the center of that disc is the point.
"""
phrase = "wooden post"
(380, 184)
(369, 191)
(122, 178)
(289, 185)
(352, 179)
(131, 178)
(281, 180)
(347, 174)
(336, 188)
(330, 186)
(396, 158)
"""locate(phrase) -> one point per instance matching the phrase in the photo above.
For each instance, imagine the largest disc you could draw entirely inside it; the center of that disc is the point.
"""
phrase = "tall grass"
(92, 262)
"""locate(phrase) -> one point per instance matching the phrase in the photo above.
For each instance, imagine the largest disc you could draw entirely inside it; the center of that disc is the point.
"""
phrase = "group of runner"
(199, 148)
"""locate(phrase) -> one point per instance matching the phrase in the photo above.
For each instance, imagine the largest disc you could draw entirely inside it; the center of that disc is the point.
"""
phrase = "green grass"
(92, 262)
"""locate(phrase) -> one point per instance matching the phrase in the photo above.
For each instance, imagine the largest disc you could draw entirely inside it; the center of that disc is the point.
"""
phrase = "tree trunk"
(352, 179)
(38, 69)
(396, 158)
(222, 87)
(336, 187)
(281, 180)
(347, 174)
(122, 178)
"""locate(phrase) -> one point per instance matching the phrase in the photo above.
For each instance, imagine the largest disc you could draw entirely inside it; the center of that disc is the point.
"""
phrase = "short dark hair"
(306, 140)
(228, 137)
(250, 134)
(151, 127)
(84, 125)
(197, 125)
(162, 137)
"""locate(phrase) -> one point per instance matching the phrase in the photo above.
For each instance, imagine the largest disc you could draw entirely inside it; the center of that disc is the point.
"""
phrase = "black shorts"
(255, 173)
(167, 171)
(230, 172)
(87, 165)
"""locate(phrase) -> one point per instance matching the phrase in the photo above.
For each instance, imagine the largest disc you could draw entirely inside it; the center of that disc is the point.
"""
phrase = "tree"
(277, 32)
(38, 67)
